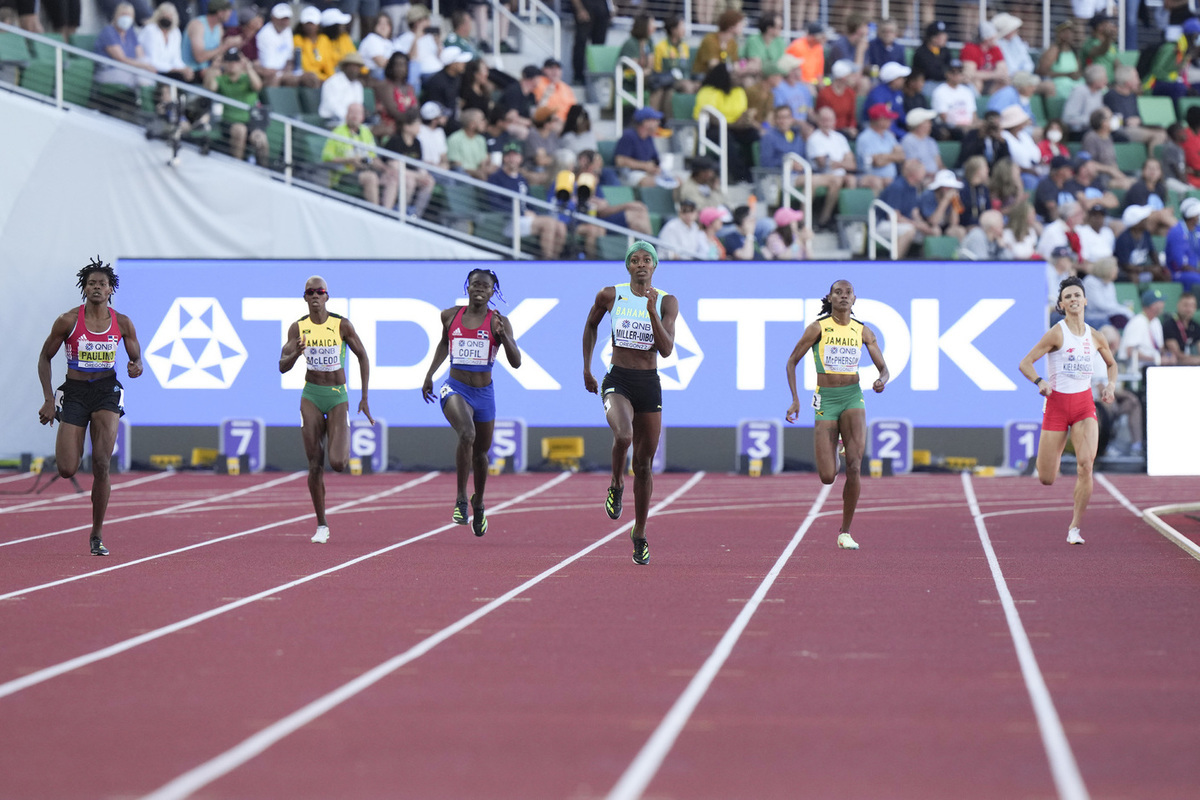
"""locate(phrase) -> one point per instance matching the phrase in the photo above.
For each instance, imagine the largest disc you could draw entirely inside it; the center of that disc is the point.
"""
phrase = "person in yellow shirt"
(305, 38)
(673, 65)
(810, 49)
(731, 102)
(334, 43)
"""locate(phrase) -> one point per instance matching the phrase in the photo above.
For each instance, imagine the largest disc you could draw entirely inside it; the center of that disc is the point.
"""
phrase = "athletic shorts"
(26, 7)
(325, 398)
(830, 401)
(63, 13)
(76, 400)
(1061, 411)
(641, 387)
(366, 8)
(481, 399)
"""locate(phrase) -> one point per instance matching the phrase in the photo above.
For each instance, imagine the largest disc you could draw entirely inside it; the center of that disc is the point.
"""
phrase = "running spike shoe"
(460, 513)
(322, 534)
(478, 519)
(846, 542)
(1073, 536)
(612, 505)
(641, 551)
(98, 548)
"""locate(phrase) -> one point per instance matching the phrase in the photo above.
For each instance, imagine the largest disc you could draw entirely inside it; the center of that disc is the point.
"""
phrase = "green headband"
(640, 245)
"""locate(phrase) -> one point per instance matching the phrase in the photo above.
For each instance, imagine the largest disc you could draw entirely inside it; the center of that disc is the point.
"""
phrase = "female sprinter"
(322, 338)
(1069, 348)
(91, 394)
(471, 336)
(837, 339)
(643, 328)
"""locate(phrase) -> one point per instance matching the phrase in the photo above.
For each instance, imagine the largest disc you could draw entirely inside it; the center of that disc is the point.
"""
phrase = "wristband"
(1038, 381)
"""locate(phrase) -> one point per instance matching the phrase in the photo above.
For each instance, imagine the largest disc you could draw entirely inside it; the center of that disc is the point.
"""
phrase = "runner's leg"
(1085, 436)
(853, 426)
(459, 415)
(646, 429)
(104, 436)
(313, 431)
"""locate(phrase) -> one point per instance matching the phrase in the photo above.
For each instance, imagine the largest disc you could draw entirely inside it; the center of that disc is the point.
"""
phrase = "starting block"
(563, 451)
(233, 465)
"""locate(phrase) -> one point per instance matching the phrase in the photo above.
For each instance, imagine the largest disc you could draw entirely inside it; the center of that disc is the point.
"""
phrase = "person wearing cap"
(1181, 332)
(276, 63)
(1016, 127)
(792, 91)
(1122, 100)
(204, 39)
(789, 241)
(1069, 408)
(889, 92)
(552, 91)
(236, 79)
(420, 44)
(918, 143)
(1051, 191)
(519, 95)
(840, 97)
(357, 163)
(636, 156)
(837, 341)
(810, 49)
(1084, 99)
(1142, 340)
(940, 207)
(932, 58)
(1008, 39)
(304, 38)
(433, 135)
(985, 241)
(593, 18)
(1101, 45)
(683, 233)
(549, 229)
(643, 330)
(878, 149)
(884, 48)
(1061, 263)
(1135, 251)
(954, 101)
(983, 61)
(1096, 237)
(764, 49)
(334, 42)
(343, 88)
(445, 86)
(1167, 73)
(1061, 62)
(1183, 245)
(712, 219)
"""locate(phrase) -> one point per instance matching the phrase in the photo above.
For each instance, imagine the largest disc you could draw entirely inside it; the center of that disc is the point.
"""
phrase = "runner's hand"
(134, 368)
(589, 383)
(427, 390)
(503, 328)
(365, 410)
(1044, 389)
(651, 299)
(46, 413)
(877, 386)
(793, 412)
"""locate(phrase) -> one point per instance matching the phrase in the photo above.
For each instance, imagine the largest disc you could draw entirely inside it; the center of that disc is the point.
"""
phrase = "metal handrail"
(873, 235)
(722, 149)
(789, 186)
(534, 8)
(634, 98)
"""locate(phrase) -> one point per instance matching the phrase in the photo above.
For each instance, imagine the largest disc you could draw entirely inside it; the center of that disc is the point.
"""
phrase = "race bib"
(634, 334)
(323, 358)
(841, 358)
(98, 355)
(469, 352)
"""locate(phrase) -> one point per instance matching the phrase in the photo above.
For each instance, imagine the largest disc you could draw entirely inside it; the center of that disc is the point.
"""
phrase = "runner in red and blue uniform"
(472, 335)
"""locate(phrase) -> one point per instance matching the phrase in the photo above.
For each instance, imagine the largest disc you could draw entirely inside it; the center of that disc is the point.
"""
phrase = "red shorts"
(1063, 410)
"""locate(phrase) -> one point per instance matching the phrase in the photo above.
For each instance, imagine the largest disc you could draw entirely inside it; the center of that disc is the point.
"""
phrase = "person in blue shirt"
(904, 195)
(878, 149)
(551, 231)
(884, 48)
(1183, 245)
(635, 155)
(1019, 93)
(1134, 249)
(793, 92)
(890, 92)
(780, 137)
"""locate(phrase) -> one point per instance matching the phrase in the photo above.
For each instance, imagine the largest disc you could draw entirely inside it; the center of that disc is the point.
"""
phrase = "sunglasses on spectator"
(308, 292)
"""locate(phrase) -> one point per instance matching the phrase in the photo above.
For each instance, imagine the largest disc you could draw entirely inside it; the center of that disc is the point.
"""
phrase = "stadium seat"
(1038, 106)
(43, 51)
(612, 247)
(77, 81)
(981, 104)
(601, 61)
(13, 49)
(1128, 57)
(39, 77)
(853, 207)
(1054, 106)
(949, 151)
(616, 195)
(606, 149)
(1171, 292)
(1130, 156)
(369, 102)
(940, 248)
(1129, 294)
(1156, 111)
(283, 100)
(1184, 104)
(658, 200)
(310, 99)
(682, 105)
(84, 41)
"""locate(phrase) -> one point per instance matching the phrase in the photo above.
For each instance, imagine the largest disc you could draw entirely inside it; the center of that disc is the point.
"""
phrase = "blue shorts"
(482, 399)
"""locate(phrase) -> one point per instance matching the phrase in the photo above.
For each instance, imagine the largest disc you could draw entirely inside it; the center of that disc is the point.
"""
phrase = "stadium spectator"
(1015, 50)
(552, 91)
(984, 69)
(162, 44)
(251, 23)
(304, 39)
(1136, 255)
(1191, 146)
(633, 215)
(445, 87)
(550, 230)
(810, 49)
(237, 80)
(904, 195)
(377, 46)
(379, 179)
(780, 136)
(636, 156)
(683, 234)
(974, 197)
(1121, 99)
(1101, 46)
(1060, 61)
(1052, 143)
(788, 242)
(985, 140)
(932, 58)
(334, 42)
(1096, 238)
(1142, 339)
(1181, 332)
(1004, 185)
(940, 205)
(477, 88)
(343, 88)
(703, 186)
(205, 38)
(462, 34)
(592, 21)
(418, 183)
(760, 93)
(1022, 231)
(1052, 190)
(793, 92)
(1174, 163)
(673, 57)
(853, 45)
(1151, 190)
(1019, 93)
(1183, 246)
(878, 150)
(833, 163)
(520, 94)
(1059, 266)
(577, 134)
(739, 241)
(985, 242)
(884, 48)
(889, 93)
(1103, 306)
(711, 220)
(1167, 74)
(503, 126)
(541, 147)
(276, 62)
(1015, 127)
(640, 48)
(1061, 231)
(918, 143)
(742, 129)
(721, 45)
(764, 49)
(1085, 99)
(839, 96)
(1086, 186)
(420, 44)
(394, 96)
(466, 148)
(954, 101)
(433, 134)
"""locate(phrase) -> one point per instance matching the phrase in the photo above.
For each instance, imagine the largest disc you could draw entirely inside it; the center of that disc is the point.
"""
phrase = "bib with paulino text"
(631, 326)
(839, 348)
(324, 350)
(89, 351)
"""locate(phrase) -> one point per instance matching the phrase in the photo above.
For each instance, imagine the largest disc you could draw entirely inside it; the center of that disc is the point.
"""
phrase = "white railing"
(622, 94)
(721, 149)
(873, 235)
(790, 190)
(532, 9)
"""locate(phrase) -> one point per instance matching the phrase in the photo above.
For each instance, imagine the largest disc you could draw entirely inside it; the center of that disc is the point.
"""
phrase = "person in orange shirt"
(810, 49)
(552, 92)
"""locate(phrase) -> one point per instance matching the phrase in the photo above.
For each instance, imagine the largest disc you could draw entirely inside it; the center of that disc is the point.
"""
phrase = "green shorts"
(830, 401)
(325, 398)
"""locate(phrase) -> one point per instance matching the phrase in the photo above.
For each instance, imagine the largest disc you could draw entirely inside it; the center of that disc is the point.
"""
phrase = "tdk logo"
(196, 346)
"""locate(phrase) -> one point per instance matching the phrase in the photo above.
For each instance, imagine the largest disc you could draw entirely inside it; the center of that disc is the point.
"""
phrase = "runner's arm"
(876, 358)
(1051, 340)
(440, 354)
(809, 338)
(133, 348)
(350, 337)
(58, 334)
(502, 330)
(604, 301)
(293, 346)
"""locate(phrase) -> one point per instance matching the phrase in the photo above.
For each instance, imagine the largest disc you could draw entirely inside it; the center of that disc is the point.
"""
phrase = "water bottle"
(296, 60)
(872, 31)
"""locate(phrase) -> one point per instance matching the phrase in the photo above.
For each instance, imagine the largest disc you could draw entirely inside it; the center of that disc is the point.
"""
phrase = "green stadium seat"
(606, 149)
(1184, 104)
(949, 152)
(601, 59)
(283, 100)
(369, 101)
(616, 195)
(1128, 294)
(1039, 110)
(43, 51)
(84, 41)
(1156, 111)
(14, 49)
(39, 77)
(539, 192)
(612, 247)
(1130, 157)
(77, 81)
(682, 105)
(981, 104)
(310, 99)
(940, 248)
(658, 200)
(1128, 57)
(1054, 106)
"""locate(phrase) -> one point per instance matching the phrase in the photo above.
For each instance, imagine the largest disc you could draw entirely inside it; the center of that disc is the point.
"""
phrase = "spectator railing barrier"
(532, 10)
(873, 235)
(789, 186)
(623, 94)
(703, 144)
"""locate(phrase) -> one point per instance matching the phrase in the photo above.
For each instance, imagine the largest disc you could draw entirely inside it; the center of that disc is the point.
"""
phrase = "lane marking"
(1063, 768)
(169, 510)
(18, 477)
(80, 495)
(231, 759)
(42, 675)
(207, 542)
(647, 762)
(1153, 517)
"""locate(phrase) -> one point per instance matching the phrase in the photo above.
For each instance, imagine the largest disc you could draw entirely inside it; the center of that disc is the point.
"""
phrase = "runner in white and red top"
(91, 394)
(1069, 348)
(472, 335)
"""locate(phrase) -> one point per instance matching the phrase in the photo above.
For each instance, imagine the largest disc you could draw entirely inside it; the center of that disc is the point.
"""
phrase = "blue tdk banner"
(952, 335)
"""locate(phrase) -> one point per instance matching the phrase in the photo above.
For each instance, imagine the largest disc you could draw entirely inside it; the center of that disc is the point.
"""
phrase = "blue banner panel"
(952, 334)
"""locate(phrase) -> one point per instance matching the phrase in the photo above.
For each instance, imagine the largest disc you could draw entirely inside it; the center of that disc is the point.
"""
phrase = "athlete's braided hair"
(96, 265)
(495, 283)
(826, 303)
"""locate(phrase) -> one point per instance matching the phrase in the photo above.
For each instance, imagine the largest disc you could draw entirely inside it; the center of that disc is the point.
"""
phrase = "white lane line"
(1153, 517)
(1065, 771)
(78, 495)
(168, 510)
(207, 542)
(18, 477)
(233, 758)
(42, 675)
(645, 765)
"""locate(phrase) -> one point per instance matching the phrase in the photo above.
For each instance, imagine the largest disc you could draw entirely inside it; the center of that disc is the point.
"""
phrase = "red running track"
(198, 656)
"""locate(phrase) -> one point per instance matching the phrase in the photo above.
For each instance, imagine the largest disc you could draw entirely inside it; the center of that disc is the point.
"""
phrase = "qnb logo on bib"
(195, 346)
(470, 352)
(633, 333)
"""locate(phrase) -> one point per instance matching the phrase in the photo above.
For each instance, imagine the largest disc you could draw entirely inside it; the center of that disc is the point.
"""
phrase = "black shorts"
(63, 13)
(76, 400)
(26, 7)
(640, 387)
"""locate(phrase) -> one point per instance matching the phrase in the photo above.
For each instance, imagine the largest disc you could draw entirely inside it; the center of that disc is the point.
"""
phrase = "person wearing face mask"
(119, 42)
(1052, 144)
(162, 43)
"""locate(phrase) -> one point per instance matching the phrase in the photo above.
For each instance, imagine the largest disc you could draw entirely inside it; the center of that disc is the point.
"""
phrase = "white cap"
(987, 30)
(1013, 117)
(918, 115)
(281, 11)
(1005, 24)
(455, 55)
(310, 14)
(944, 179)
(1135, 214)
(333, 16)
(892, 70)
(844, 68)
(431, 110)
(1190, 207)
